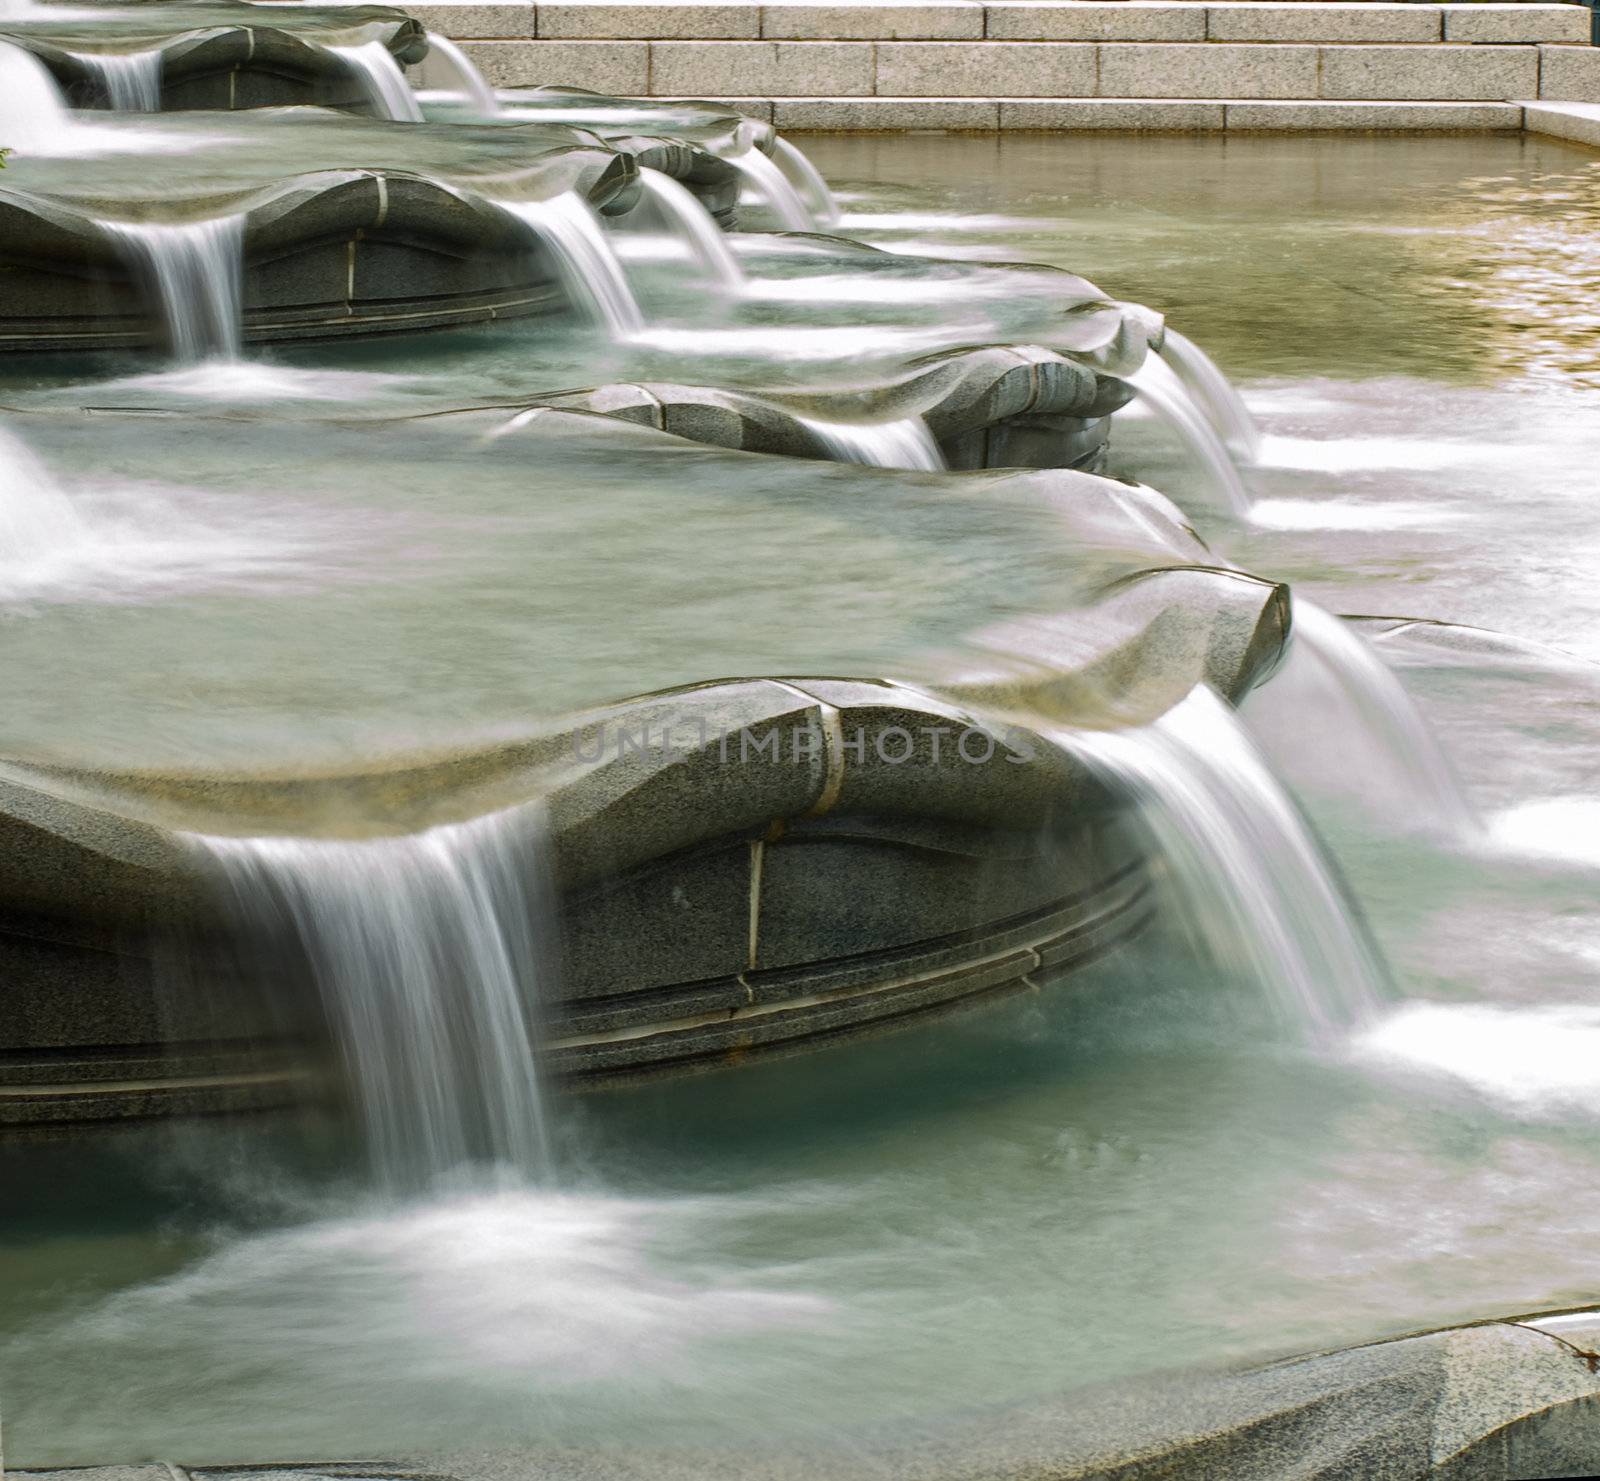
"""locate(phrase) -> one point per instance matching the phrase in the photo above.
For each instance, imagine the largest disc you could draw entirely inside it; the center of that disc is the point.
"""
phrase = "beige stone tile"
(1078, 20)
(1072, 114)
(1215, 70)
(1569, 75)
(1323, 22)
(591, 21)
(604, 66)
(881, 20)
(985, 69)
(773, 69)
(1577, 121)
(852, 115)
(1365, 116)
(1454, 74)
(1516, 23)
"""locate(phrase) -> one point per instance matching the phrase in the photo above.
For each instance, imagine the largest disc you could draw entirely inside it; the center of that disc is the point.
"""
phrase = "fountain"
(612, 660)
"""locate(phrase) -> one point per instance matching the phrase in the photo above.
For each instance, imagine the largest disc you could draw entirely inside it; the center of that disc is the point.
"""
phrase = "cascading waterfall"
(430, 953)
(468, 83)
(782, 198)
(131, 79)
(385, 84)
(904, 443)
(1383, 709)
(1214, 393)
(193, 270)
(1160, 389)
(566, 226)
(683, 215)
(37, 520)
(33, 114)
(824, 208)
(1252, 885)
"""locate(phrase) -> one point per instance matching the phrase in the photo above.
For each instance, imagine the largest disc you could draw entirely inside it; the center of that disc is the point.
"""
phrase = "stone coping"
(1497, 1400)
(1525, 22)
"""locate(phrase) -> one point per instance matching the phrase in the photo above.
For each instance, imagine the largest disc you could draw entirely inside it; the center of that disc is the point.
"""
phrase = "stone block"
(1312, 117)
(1579, 122)
(1130, 20)
(868, 115)
(474, 22)
(1158, 70)
(897, 20)
(1568, 74)
(1066, 114)
(992, 69)
(588, 20)
(774, 69)
(602, 66)
(1300, 22)
(1453, 74)
(1517, 23)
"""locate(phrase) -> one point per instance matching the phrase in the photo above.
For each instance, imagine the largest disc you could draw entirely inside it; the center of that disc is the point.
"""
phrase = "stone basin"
(745, 862)
(343, 231)
(217, 55)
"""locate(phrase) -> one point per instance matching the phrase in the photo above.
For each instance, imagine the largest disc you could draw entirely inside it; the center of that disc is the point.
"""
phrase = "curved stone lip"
(215, 38)
(709, 126)
(952, 392)
(796, 749)
(1496, 1399)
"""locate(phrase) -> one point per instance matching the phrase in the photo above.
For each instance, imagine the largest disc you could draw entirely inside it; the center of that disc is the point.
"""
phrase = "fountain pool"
(1150, 1171)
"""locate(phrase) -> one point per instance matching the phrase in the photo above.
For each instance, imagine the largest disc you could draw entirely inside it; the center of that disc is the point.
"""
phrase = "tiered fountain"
(737, 863)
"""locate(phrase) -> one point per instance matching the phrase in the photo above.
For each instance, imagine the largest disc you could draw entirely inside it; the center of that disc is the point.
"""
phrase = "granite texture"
(1254, 20)
(605, 66)
(946, 21)
(1579, 122)
(1216, 70)
(774, 69)
(1517, 23)
(1445, 73)
(1125, 20)
(985, 69)
(1568, 75)
(1499, 1401)
(1178, 115)
(1311, 117)
(597, 19)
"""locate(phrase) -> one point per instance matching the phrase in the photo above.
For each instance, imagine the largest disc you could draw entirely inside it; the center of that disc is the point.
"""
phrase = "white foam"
(1345, 514)
(1530, 1059)
(1353, 454)
(1566, 828)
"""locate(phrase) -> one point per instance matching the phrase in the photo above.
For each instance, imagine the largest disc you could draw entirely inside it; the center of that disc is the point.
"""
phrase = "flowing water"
(131, 79)
(905, 443)
(585, 262)
(429, 952)
(1247, 878)
(1215, 393)
(1154, 1169)
(192, 272)
(382, 80)
(781, 198)
(685, 218)
(1164, 393)
(466, 82)
(824, 208)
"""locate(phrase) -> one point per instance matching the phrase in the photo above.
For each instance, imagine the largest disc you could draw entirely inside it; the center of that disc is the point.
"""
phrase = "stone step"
(1015, 20)
(1156, 115)
(990, 70)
